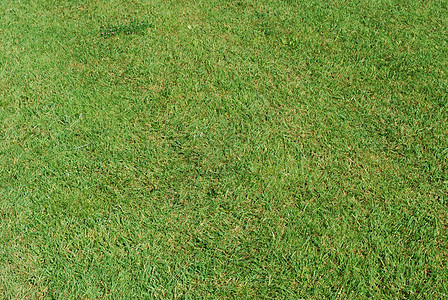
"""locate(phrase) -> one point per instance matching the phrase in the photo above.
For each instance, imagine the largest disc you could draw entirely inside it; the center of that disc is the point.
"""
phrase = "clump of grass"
(134, 27)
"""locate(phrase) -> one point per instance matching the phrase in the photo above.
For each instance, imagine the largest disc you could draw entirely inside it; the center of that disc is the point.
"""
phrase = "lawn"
(267, 149)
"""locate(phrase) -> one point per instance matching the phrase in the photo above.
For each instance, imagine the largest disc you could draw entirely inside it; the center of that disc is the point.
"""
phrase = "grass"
(224, 149)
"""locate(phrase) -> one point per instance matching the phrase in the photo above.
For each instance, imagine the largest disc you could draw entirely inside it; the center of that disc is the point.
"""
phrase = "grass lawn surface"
(267, 149)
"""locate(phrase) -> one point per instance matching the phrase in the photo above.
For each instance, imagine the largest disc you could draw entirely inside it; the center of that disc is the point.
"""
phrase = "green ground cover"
(223, 149)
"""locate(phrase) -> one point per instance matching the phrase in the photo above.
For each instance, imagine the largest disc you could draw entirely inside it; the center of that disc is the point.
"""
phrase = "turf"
(223, 149)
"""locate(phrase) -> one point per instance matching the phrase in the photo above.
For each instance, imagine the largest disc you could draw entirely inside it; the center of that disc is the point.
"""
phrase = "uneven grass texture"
(223, 149)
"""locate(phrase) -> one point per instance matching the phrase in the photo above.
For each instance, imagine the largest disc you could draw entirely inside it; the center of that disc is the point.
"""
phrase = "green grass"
(224, 149)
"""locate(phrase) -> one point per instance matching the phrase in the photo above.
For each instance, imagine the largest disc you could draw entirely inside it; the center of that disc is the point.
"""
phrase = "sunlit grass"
(223, 149)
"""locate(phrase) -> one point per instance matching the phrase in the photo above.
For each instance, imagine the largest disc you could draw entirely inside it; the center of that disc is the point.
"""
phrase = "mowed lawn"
(267, 149)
